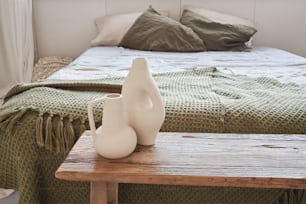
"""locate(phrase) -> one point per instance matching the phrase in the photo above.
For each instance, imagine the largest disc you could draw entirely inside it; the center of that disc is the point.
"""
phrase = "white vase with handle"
(143, 103)
(114, 139)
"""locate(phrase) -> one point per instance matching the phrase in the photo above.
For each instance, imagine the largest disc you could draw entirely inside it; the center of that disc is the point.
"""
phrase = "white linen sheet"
(101, 62)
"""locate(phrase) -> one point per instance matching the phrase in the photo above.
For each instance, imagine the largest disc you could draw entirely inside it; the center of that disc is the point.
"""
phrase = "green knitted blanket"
(40, 122)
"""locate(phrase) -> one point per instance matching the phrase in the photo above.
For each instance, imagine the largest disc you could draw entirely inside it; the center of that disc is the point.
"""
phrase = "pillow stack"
(154, 32)
(199, 29)
(112, 28)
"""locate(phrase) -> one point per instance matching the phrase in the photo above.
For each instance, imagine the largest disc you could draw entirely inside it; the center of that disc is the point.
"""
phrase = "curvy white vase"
(143, 103)
(115, 138)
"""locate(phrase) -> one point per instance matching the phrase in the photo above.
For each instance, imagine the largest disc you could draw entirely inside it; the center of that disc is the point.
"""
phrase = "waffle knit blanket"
(40, 122)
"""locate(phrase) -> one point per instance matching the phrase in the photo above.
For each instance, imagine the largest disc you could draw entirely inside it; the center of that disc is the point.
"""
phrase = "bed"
(40, 122)
(102, 62)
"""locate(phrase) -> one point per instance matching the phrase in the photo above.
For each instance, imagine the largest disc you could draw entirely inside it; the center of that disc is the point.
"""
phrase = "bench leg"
(103, 193)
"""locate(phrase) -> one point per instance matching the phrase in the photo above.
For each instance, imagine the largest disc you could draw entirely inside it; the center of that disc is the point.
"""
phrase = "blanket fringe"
(59, 139)
(69, 135)
(57, 133)
(49, 135)
(53, 132)
(39, 131)
(60, 134)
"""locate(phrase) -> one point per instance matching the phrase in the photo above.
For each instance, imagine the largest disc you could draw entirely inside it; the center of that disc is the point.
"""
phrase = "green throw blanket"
(40, 122)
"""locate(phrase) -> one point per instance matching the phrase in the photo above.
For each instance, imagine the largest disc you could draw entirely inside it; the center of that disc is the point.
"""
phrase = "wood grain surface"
(238, 160)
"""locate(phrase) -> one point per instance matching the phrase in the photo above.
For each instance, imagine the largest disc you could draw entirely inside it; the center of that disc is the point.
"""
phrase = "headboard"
(66, 27)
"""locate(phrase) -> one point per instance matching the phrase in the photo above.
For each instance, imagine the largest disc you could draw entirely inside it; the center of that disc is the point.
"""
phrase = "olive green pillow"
(154, 32)
(217, 36)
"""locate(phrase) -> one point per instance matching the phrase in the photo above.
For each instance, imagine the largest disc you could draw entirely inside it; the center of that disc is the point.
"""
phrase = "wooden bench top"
(237, 160)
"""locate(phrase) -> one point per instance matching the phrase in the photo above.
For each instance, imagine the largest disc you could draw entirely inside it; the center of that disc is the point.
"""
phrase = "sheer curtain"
(16, 43)
(16, 47)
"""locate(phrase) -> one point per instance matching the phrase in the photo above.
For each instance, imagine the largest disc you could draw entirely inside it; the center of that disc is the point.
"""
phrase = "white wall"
(66, 27)
(281, 23)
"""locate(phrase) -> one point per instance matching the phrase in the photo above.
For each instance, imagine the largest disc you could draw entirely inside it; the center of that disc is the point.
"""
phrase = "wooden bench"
(236, 160)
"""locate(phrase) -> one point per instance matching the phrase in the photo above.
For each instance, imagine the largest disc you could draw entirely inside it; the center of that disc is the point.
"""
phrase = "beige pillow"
(112, 28)
(154, 32)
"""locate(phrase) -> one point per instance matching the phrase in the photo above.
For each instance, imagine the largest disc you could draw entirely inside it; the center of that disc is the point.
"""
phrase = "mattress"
(101, 62)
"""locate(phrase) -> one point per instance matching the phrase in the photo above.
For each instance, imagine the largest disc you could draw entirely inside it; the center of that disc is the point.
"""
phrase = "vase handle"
(91, 105)
(154, 95)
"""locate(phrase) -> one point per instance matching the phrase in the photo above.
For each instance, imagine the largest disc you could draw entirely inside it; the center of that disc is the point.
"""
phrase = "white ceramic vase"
(114, 139)
(143, 103)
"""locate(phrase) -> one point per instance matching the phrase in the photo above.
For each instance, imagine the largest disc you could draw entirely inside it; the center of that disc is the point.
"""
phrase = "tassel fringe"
(39, 132)
(55, 133)
(49, 135)
(69, 135)
(60, 135)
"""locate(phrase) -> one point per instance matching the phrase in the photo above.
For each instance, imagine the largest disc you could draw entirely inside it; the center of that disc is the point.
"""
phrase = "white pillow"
(112, 28)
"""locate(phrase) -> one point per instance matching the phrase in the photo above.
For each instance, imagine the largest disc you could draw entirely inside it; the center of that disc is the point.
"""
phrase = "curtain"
(16, 43)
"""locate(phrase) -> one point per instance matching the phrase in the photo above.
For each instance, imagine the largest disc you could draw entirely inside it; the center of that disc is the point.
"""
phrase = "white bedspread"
(100, 62)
